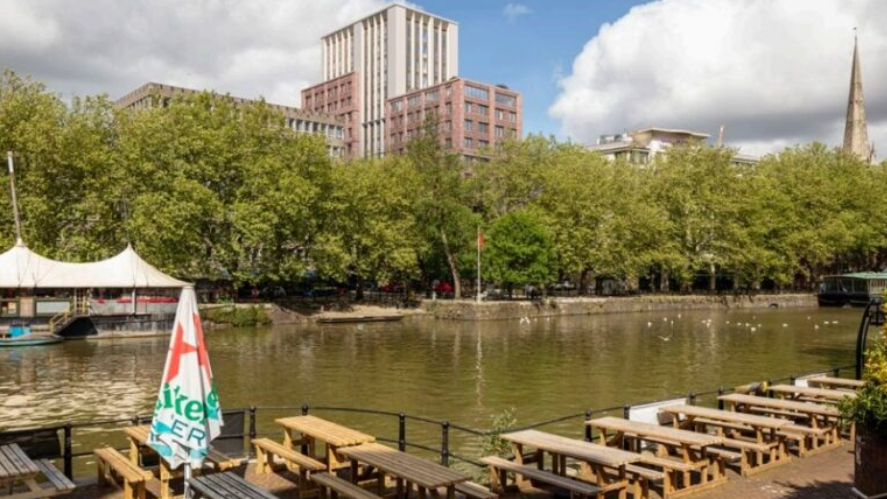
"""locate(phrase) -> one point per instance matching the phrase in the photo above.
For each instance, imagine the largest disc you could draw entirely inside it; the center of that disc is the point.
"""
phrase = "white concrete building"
(641, 146)
(391, 52)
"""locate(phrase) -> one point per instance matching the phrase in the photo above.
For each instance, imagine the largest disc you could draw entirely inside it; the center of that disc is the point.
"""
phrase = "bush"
(237, 316)
(869, 409)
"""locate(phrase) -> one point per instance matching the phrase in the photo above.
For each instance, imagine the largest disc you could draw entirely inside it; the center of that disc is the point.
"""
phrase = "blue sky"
(528, 52)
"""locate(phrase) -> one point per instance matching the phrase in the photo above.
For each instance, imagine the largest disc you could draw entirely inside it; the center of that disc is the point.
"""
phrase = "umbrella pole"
(187, 480)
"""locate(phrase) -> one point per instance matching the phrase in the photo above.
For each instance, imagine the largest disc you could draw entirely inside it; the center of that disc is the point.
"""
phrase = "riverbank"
(469, 310)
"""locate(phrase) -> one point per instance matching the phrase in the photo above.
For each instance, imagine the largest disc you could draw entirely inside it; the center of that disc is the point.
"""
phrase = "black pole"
(588, 436)
(692, 398)
(445, 443)
(305, 409)
(720, 402)
(252, 427)
(863, 333)
(402, 432)
(67, 454)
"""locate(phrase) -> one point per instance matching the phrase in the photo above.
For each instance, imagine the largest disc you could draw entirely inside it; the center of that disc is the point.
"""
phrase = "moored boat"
(20, 335)
(857, 288)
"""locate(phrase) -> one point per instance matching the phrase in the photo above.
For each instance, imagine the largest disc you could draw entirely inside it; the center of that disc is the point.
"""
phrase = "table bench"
(225, 486)
(835, 383)
(312, 429)
(59, 483)
(111, 463)
(819, 395)
(499, 467)
(17, 468)
(475, 491)
(407, 470)
(267, 449)
(332, 486)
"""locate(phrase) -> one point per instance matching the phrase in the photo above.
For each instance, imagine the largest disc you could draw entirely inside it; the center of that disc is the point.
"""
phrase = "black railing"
(64, 434)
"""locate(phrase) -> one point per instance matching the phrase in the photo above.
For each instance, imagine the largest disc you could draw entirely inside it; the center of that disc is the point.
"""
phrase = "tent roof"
(22, 268)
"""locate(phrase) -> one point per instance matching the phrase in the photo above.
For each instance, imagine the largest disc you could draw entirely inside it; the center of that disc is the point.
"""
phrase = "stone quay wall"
(469, 310)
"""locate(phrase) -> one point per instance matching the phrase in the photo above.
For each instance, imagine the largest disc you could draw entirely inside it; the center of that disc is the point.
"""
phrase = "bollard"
(588, 436)
(445, 443)
(67, 454)
(402, 432)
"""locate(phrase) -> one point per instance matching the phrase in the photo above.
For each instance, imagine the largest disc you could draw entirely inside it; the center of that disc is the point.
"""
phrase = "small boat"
(20, 335)
(359, 319)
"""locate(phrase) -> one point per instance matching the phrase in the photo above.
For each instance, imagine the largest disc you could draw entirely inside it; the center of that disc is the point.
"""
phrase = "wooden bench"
(499, 467)
(225, 486)
(643, 478)
(475, 491)
(112, 463)
(332, 486)
(58, 482)
(295, 462)
(222, 462)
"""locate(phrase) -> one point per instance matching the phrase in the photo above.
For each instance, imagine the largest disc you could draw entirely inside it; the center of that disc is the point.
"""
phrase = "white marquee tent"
(22, 268)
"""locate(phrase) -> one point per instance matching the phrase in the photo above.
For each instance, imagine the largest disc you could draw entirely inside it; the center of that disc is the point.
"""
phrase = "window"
(414, 101)
(512, 132)
(469, 125)
(506, 100)
(469, 143)
(449, 108)
(477, 92)
(432, 95)
(482, 143)
(448, 143)
(500, 114)
(448, 125)
(469, 107)
(397, 105)
(512, 117)
(449, 90)
(500, 132)
(483, 127)
(482, 109)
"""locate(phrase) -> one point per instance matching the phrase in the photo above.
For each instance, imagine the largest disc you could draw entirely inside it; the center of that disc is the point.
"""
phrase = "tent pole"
(187, 480)
(133, 301)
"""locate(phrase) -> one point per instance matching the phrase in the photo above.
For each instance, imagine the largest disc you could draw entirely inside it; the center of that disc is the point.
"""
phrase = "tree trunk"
(451, 262)
(663, 281)
(582, 277)
(712, 278)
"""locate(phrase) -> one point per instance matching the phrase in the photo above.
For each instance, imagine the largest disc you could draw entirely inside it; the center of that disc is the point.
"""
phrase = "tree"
(519, 251)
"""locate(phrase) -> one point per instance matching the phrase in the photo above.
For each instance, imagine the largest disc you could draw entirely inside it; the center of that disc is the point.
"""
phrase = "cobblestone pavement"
(824, 476)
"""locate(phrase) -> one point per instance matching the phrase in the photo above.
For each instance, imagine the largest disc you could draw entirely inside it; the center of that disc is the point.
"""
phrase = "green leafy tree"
(520, 251)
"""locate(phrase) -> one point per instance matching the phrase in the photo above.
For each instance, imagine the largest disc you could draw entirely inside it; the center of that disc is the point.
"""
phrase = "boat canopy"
(22, 268)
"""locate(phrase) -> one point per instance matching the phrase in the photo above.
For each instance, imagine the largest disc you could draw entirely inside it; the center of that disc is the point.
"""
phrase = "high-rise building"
(396, 50)
(856, 137)
(153, 94)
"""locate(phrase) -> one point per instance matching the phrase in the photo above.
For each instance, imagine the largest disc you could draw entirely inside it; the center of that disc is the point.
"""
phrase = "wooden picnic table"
(598, 462)
(312, 429)
(809, 392)
(835, 383)
(689, 447)
(821, 418)
(756, 437)
(16, 468)
(408, 470)
(138, 444)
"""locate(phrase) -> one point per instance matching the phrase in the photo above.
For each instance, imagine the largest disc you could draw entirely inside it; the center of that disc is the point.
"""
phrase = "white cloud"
(775, 72)
(260, 47)
(514, 10)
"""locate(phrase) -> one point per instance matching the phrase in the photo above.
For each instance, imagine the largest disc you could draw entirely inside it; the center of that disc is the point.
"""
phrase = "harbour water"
(458, 371)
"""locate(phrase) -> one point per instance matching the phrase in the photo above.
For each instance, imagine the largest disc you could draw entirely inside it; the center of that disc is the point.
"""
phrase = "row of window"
(305, 126)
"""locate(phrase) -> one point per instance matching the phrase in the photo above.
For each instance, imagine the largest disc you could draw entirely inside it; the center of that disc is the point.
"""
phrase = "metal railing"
(65, 433)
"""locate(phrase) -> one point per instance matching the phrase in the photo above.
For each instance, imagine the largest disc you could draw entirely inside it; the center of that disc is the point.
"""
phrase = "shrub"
(869, 409)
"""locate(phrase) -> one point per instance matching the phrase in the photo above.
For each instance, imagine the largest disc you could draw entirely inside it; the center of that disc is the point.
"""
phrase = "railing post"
(792, 379)
(837, 372)
(134, 420)
(305, 409)
(588, 436)
(252, 428)
(402, 432)
(66, 452)
(720, 402)
(626, 411)
(445, 443)
(691, 398)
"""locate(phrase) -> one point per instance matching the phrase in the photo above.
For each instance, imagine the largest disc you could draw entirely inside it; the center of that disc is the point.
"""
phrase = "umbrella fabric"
(187, 416)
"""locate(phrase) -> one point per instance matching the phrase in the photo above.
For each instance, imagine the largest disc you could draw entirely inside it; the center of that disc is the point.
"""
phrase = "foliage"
(206, 187)
(237, 315)
(520, 251)
(492, 444)
(869, 409)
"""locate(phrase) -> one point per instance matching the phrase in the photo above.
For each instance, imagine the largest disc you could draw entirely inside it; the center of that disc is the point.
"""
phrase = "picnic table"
(138, 445)
(311, 429)
(16, 468)
(757, 438)
(812, 393)
(604, 466)
(835, 383)
(821, 420)
(407, 470)
(682, 447)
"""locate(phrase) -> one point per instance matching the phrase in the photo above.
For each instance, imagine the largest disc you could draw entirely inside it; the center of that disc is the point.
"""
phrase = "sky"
(775, 73)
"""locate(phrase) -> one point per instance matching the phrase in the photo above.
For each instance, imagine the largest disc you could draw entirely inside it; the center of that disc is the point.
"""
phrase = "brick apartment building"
(396, 56)
(472, 116)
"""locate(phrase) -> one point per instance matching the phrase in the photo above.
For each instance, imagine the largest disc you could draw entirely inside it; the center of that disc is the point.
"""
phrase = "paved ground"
(825, 476)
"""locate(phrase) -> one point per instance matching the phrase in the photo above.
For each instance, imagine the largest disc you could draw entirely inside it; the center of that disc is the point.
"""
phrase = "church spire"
(856, 139)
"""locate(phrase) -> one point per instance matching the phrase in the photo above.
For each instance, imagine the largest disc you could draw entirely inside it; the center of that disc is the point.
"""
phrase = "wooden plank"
(788, 405)
(30, 465)
(576, 449)
(579, 487)
(138, 433)
(727, 416)
(647, 430)
(58, 480)
(16, 462)
(829, 382)
(343, 487)
(325, 431)
(413, 469)
(809, 391)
